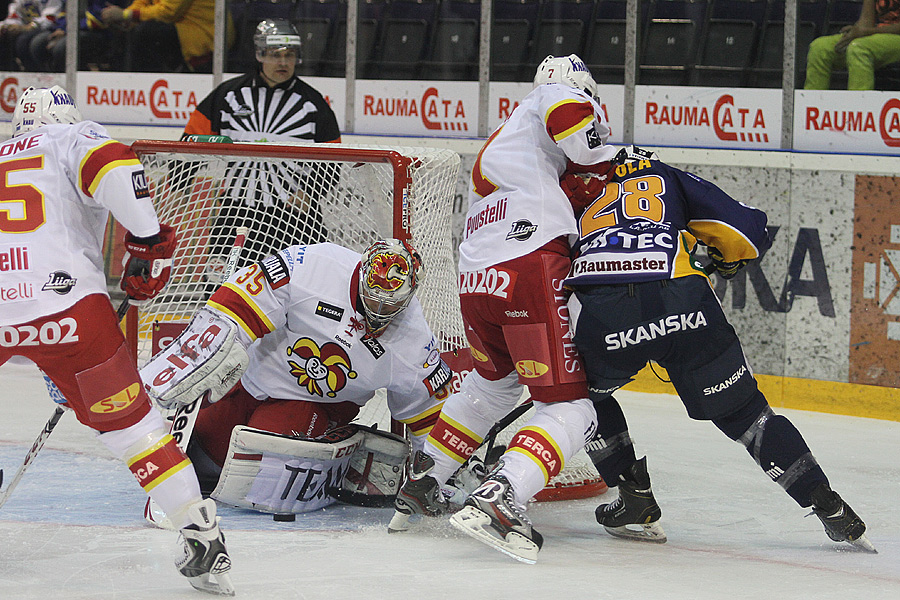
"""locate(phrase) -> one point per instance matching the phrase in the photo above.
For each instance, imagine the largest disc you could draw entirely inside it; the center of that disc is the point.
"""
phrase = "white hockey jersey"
(516, 204)
(59, 184)
(297, 310)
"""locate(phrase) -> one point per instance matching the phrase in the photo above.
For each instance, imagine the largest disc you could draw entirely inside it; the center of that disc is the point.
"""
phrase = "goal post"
(287, 194)
(299, 193)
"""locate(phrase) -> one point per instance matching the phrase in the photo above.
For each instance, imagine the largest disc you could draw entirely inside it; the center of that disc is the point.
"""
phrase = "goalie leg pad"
(208, 355)
(375, 472)
(275, 473)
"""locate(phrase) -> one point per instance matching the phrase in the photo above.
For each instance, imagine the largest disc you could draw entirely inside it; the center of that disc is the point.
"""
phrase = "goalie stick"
(185, 416)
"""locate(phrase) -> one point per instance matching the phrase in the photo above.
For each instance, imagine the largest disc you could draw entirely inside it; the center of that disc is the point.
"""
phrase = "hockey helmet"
(630, 153)
(567, 70)
(273, 35)
(389, 273)
(43, 106)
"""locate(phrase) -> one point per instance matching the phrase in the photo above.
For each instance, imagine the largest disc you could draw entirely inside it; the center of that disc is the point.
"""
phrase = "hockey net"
(291, 194)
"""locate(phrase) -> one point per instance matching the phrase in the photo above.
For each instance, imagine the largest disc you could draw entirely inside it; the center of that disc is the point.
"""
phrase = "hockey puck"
(287, 517)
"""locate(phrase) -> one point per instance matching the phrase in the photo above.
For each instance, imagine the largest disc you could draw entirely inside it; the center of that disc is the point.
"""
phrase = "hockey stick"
(123, 308)
(185, 416)
(57, 396)
(29, 457)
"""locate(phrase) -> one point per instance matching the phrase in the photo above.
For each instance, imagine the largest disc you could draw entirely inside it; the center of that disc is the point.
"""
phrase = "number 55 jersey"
(58, 185)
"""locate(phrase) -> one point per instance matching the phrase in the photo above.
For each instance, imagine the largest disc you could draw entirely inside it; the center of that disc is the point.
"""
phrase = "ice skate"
(205, 554)
(841, 523)
(420, 494)
(492, 516)
(635, 514)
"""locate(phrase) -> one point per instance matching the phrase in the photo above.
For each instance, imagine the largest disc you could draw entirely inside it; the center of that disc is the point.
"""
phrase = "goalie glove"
(726, 270)
(148, 263)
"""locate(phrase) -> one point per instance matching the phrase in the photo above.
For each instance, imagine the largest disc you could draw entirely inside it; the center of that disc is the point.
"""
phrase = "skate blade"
(221, 586)
(155, 515)
(647, 532)
(399, 522)
(476, 523)
(863, 543)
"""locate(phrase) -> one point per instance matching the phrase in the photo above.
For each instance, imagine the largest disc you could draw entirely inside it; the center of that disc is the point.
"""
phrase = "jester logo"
(327, 367)
(387, 271)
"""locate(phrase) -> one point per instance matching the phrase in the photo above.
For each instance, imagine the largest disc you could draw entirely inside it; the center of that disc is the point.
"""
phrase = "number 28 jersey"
(646, 223)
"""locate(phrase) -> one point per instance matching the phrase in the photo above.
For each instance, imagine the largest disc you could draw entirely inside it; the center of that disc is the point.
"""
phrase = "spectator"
(25, 20)
(270, 103)
(869, 44)
(95, 39)
(159, 27)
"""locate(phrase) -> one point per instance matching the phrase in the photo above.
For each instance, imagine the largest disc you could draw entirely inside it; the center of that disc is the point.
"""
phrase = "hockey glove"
(582, 189)
(726, 270)
(148, 263)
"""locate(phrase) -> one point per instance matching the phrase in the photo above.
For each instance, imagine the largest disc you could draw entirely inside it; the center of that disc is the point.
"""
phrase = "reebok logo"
(517, 313)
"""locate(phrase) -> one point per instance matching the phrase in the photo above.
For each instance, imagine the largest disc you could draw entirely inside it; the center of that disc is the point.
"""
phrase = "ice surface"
(74, 529)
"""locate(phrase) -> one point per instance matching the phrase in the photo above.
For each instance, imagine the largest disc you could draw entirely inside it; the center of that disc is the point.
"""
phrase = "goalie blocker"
(280, 474)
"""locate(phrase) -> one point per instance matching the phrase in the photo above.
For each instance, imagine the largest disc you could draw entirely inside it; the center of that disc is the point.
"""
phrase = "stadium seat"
(316, 22)
(369, 17)
(728, 43)
(454, 51)
(767, 66)
(512, 39)
(671, 40)
(404, 40)
(604, 53)
(562, 28)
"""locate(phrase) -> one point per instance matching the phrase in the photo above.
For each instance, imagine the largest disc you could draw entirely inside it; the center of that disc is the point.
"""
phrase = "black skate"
(635, 514)
(492, 516)
(841, 523)
(420, 494)
(205, 554)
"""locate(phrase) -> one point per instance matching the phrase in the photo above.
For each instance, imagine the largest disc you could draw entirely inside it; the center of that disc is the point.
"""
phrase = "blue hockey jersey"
(646, 224)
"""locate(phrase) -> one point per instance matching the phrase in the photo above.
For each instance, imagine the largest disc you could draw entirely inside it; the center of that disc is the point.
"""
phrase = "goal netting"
(298, 194)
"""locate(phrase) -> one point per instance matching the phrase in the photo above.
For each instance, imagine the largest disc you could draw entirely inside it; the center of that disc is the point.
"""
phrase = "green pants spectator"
(862, 58)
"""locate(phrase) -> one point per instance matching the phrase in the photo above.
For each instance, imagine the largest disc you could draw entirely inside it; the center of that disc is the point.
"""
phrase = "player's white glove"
(207, 356)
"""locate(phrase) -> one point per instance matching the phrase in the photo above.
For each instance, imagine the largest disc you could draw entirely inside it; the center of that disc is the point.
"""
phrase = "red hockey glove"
(582, 189)
(148, 263)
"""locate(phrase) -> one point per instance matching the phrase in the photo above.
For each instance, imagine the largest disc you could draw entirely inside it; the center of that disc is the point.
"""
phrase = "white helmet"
(567, 70)
(389, 273)
(276, 34)
(43, 106)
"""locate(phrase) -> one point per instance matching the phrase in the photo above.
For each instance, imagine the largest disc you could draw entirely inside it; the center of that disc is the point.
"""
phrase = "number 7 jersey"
(58, 184)
(646, 223)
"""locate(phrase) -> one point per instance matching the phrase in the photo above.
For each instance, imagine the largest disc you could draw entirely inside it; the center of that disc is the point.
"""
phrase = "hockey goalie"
(284, 354)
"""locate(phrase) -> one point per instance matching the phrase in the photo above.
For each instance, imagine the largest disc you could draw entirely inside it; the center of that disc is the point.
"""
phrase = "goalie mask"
(43, 106)
(567, 70)
(274, 36)
(389, 273)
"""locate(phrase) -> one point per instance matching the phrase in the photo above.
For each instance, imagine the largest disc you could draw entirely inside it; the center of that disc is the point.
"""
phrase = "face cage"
(376, 322)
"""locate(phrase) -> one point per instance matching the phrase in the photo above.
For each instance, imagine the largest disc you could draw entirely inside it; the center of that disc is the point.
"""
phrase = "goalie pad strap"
(375, 472)
(206, 356)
